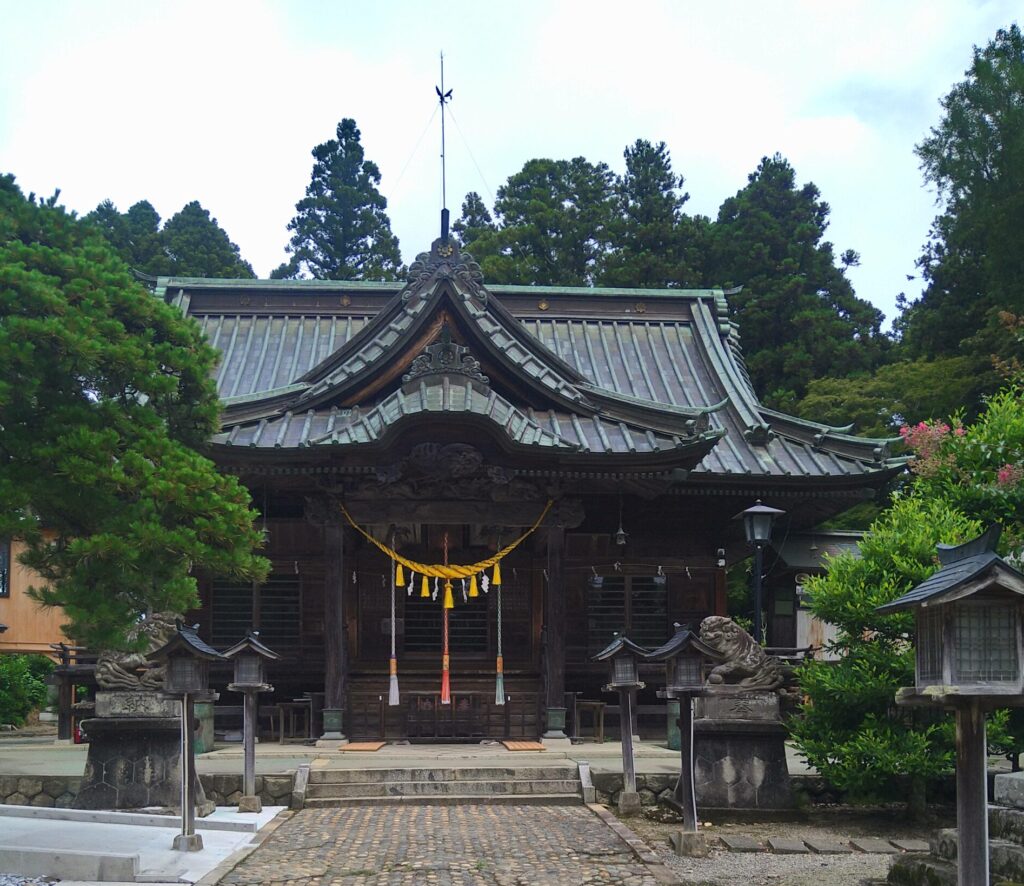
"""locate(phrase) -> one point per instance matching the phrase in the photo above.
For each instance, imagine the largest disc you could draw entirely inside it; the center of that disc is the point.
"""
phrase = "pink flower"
(1009, 475)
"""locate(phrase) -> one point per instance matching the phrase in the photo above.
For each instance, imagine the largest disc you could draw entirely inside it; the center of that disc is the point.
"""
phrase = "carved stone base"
(740, 752)
(134, 762)
(250, 804)
(188, 843)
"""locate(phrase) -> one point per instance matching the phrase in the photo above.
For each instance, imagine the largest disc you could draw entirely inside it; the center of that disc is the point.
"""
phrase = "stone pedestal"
(740, 752)
(134, 756)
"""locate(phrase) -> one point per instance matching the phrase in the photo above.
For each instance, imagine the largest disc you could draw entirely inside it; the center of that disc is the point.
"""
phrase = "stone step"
(1006, 859)
(477, 787)
(922, 870)
(437, 774)
(447, 800)
(1006, 824)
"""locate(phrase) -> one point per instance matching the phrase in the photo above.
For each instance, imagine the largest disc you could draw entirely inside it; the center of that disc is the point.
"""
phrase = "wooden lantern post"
(186, 659)
(624, 657)
(250, 657)
(685, 657)
(969, 656)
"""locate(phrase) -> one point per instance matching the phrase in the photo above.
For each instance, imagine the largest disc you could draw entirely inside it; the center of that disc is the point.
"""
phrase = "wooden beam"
(335, 663)
(507, 513)
(554, 619)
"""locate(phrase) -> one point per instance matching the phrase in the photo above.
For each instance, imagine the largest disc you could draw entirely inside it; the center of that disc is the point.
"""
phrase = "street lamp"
(623, 656)
(970, 645)
(757, 524)
(186, 659)
(685, 656)
(250, 657)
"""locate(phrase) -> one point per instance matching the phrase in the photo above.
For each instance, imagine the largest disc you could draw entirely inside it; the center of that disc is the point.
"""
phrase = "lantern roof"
(186, 640)
(682, 641)
(251, 643)
(618, 645)
(966, 569)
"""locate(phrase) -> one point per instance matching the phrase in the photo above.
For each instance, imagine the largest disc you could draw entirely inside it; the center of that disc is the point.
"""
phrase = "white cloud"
(222, 102)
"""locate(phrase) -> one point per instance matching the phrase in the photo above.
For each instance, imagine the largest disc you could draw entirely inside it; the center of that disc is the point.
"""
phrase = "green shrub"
(22, 685)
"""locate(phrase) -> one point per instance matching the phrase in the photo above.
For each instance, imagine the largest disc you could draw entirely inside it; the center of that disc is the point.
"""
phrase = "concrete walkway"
(120, 847)
(44, 757)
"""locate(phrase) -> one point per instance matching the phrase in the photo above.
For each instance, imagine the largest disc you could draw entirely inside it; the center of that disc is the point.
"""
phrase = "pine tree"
(105, 396)
(799, 316)
(198, 247)
(341, 231)
(653, 243)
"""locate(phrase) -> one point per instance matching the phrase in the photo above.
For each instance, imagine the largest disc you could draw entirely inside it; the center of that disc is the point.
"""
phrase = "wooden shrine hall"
(445, 419)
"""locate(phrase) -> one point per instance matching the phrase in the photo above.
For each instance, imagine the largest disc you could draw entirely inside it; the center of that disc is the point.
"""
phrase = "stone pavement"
(443, 846)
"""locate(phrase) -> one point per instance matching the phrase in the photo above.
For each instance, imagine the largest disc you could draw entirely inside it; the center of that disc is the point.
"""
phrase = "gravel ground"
(13, 880)
(723, 868)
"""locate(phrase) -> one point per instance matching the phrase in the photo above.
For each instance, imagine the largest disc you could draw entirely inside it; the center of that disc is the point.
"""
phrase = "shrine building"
(446, 419)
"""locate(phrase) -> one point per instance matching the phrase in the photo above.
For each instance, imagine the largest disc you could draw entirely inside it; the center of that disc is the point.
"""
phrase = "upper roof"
(654, 378)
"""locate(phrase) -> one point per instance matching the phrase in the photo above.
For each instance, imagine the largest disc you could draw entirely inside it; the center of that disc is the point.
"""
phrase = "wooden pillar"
(971, 794)
(554, 633)
(335, 658)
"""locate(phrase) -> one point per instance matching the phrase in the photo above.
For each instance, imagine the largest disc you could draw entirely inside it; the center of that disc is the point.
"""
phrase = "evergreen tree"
(798, 313)
(198, 247)
(105, 395)
(974, 261)
(475, 221)
(553, 221)
(191, 244)
(653, 244)
(341, 231)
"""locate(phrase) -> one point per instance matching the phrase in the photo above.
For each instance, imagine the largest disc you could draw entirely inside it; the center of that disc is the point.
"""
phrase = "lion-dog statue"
(746, 665)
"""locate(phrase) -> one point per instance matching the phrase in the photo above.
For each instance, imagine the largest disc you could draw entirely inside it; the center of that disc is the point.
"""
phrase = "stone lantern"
(685, 657)
(186, 660)
(624, 656)
(250, 657)
(970, 644)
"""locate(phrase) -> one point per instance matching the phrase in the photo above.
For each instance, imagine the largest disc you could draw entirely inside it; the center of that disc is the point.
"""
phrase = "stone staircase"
(1005, 845)
(534, 786)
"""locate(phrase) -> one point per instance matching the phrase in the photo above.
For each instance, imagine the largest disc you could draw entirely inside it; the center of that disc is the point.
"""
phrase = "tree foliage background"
(106, 399)
(191, 244)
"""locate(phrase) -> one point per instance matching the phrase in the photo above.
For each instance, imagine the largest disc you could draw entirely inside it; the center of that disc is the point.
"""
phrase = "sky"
(222, 102)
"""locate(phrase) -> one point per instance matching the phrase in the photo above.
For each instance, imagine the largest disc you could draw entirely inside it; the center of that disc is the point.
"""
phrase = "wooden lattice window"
(468, 630)
(274, 608)
(636, 605)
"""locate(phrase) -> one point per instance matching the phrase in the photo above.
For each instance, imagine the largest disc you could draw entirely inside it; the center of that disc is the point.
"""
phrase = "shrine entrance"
(486, 698)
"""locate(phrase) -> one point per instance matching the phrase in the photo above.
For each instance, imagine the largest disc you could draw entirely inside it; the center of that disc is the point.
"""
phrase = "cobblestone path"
(443, 846)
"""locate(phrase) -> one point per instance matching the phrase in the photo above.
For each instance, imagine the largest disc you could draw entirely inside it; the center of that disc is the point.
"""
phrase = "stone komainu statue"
(132, 670)
(747, 665)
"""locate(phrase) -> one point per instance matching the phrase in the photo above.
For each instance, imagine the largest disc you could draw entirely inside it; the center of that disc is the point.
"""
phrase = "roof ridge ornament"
(447, 357)
(445, 261)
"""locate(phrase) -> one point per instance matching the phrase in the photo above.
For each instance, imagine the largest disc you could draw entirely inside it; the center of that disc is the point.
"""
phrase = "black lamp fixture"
(595, 581)
(757, 524)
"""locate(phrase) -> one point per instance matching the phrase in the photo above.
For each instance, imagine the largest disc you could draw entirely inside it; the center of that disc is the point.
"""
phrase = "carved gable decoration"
(445, 356)
(445, 261)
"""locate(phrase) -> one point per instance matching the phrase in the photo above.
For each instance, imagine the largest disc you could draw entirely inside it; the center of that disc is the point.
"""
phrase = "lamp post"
(969, 650)
(757, 524)
(685, 656)
(186, 659)
(624, 656)
(250, 657)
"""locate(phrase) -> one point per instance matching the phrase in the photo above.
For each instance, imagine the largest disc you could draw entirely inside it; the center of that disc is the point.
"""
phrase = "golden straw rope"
(452, 571)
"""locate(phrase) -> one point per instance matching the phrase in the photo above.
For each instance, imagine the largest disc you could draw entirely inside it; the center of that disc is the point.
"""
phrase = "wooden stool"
(292, 708)
(596, 711)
